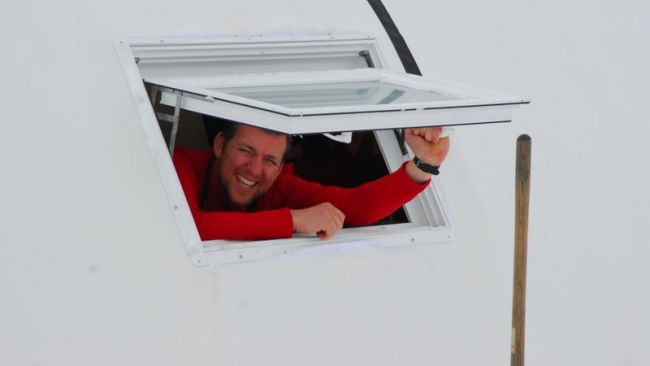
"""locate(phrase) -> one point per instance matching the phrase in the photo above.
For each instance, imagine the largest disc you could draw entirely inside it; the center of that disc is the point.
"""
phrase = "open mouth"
(245, 182)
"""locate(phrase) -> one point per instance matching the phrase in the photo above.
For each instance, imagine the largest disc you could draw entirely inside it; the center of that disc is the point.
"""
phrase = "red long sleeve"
(362, 205)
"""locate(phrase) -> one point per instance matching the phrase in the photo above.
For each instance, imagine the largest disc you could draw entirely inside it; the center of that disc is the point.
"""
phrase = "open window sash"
(336, 100)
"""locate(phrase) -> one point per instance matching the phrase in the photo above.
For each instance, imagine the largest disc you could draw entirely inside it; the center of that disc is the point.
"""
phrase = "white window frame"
(429, 220)
(473, 106)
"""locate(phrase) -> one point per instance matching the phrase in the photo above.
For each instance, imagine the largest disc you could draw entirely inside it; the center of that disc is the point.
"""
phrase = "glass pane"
(336, 94)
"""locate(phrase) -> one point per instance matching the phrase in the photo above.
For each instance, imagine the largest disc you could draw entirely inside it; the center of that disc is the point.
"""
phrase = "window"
(301, 86)
(306, 102)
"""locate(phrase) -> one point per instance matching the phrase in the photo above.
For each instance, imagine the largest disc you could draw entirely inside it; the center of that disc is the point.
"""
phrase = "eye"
(271, 162)
(245, 151)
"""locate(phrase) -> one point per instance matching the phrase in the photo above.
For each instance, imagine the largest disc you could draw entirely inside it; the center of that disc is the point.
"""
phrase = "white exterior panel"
(93, 270)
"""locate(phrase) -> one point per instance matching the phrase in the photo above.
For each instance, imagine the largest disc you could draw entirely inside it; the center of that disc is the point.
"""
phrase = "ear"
(217, 145)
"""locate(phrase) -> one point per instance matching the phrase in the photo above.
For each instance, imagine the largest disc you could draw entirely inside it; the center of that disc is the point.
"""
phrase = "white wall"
(584, 64)
(92, 269)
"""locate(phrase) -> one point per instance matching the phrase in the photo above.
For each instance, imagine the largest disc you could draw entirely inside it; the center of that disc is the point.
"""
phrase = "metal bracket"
(366, 56)
(153, 94)
(171, 118)
(175, 120)
(399, 135)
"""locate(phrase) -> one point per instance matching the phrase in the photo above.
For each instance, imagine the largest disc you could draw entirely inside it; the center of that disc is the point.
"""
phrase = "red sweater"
(362, 205)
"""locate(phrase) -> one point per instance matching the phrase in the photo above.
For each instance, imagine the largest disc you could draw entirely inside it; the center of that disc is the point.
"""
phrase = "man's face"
(249, 163)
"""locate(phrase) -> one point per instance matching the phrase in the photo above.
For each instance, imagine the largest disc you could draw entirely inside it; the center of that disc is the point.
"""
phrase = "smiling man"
(239, 191)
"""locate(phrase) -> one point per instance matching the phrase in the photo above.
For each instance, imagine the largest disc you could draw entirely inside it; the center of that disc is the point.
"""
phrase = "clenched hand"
(428, 146)
(323, 219)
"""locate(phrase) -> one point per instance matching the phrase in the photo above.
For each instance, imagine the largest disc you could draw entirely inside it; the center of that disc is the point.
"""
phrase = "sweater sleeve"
(269, 224)
(364, 204)
(262, 225)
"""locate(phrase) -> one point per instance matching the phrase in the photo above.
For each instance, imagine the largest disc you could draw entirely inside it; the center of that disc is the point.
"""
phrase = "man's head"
(249, 159)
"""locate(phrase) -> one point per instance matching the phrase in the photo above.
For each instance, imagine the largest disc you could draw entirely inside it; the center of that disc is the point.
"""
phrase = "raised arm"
(372, 201)
(362, 205)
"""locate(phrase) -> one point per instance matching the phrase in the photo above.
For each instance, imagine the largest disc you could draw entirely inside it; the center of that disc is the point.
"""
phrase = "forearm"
(375, 200)
(262, 225)
(367, 203)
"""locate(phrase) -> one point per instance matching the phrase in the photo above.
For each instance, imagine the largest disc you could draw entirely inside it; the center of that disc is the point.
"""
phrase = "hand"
(428, 146)
(323, 219)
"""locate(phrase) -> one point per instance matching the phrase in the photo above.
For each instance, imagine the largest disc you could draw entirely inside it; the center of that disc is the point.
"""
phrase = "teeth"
(245, 181)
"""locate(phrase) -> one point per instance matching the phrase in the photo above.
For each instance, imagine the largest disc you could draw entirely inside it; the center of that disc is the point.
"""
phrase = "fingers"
(332, 221)
(430, 134)
(323, 219)
(427, 144)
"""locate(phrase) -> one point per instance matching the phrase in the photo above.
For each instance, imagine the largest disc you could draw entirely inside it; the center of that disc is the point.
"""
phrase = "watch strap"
(427, 168)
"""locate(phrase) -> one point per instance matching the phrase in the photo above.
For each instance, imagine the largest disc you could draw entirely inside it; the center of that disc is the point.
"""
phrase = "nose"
(254, 166)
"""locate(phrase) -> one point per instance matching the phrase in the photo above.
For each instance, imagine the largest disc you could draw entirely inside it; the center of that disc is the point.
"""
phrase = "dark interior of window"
(314, 157)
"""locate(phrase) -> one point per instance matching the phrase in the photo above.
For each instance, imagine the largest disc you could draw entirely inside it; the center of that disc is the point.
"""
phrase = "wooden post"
(522, 192)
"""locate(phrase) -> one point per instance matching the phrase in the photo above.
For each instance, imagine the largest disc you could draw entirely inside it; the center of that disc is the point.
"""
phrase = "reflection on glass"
(336, 94)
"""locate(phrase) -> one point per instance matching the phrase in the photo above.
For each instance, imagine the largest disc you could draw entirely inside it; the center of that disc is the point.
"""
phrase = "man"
(238, 191)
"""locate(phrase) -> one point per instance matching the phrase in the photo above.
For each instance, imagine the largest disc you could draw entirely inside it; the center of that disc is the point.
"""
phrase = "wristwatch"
(427, 168)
